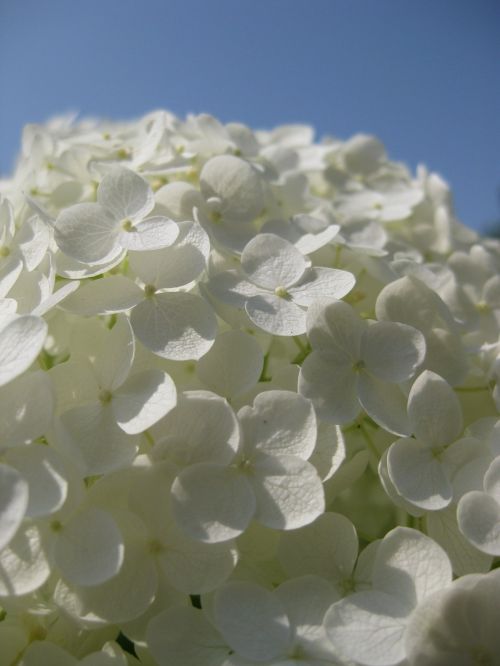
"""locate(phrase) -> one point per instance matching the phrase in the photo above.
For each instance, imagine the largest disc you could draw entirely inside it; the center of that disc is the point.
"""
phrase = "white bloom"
(355, 364)
(369, 627)
(458, 625)
(421, 467)
(269, 479)
(98, 232)
(478, 513)
(277, 285)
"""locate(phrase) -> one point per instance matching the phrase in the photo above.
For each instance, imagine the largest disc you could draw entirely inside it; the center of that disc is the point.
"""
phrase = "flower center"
(127, 226)
(358, 366)
(215, 216)
(4, 251)
(105, 396)
(149, 290)
(281, 292)
(483, 307)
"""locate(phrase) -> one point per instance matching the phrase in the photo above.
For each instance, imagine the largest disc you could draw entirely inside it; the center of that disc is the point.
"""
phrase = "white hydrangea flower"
(458, 625)
(170, 322)
(421, 467)
(98, 232)
(357, 365)
(277, 285)
(251, 625)
(409, 301)
(369, 627)
(478, 513)
(328, 548)
(268, 479)
(112, 406)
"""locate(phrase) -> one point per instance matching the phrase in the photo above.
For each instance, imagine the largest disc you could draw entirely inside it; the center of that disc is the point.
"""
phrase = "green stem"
(369, 441)
(305, 350)
(149, 438)
(264, 377)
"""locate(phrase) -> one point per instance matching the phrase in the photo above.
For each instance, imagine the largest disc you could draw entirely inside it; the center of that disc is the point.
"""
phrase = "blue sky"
(423, 75)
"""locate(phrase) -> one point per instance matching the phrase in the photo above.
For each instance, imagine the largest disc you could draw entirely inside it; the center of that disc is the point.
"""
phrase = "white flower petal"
(270, 261)
(23, 564)
(125, 194)
(384, 402)
(410, 566)
(90, 434)
(328, 547)
(418, 475)
(233, 365)
(10, 270)
(288, 491)
(411, 302)
(434, 410)
(14, 493)
(111, 294)
(33, 241)
(465, 559)
(280, 422)
(119, 599)
(212, 503)
(114, 355)
(236, 184)
(369, 628)
(178, 265)
(55, 298)
(143, 400)
(197, 568)
(177, 326)
(306, 601)
(43, 469)
(201, 428)
(492, 479)
(229, 287)
(21, 340)
(319, 282)
(491, 292)
(329, 452)
(478, 516)
(252, 621)
(26, 408)
(89, 548)
(276, 315)
(88, 233)
(182, 636)
(178, 199)
(330, 387)
(153, 233)
(76, 270)
(392, 351)
(334, 329)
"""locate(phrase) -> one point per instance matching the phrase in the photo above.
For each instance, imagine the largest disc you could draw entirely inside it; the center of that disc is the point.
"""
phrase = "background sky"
(422, 75)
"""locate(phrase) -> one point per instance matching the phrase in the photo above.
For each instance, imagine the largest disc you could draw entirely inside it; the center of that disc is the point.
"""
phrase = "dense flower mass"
(249, 403)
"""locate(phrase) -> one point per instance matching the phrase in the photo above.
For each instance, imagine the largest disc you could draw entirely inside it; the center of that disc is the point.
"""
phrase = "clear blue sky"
(423, 75)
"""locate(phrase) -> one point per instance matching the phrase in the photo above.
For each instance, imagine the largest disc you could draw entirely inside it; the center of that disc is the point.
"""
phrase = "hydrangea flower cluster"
(249, 403)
